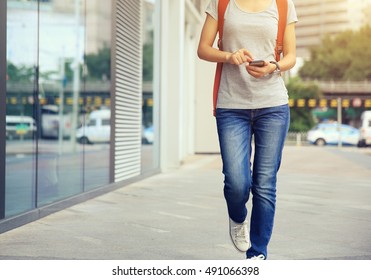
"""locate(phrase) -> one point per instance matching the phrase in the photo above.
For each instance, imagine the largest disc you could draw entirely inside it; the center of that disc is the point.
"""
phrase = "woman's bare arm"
(207, 52)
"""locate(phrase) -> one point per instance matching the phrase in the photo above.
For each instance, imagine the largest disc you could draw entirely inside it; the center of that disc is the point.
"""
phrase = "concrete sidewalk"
(323, 212)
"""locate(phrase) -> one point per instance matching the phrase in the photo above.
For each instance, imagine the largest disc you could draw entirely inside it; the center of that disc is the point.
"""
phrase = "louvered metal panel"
(128, 89)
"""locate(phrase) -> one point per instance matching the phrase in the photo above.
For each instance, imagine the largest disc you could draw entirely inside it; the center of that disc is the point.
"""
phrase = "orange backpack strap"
(282, 22)
(222, 6)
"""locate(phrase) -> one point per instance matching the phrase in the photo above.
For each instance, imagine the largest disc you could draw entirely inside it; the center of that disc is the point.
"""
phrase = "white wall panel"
(128, 90)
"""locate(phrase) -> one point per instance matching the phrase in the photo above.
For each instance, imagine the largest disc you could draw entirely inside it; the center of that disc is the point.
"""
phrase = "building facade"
(95, 95)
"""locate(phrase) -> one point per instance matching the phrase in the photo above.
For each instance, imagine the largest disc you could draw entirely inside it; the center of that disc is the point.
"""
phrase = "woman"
(252, 101)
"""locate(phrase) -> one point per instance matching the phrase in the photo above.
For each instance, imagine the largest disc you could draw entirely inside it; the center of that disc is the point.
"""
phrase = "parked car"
(20, 126)
(328, 134)
(97, 129)
(365, 130)
(147, 134)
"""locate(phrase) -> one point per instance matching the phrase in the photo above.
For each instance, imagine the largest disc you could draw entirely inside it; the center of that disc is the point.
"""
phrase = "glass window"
(92, 122)
(61, 52)
(96, 94)
(150, 93)
(21, 114)
(106, 122)
(58, 67)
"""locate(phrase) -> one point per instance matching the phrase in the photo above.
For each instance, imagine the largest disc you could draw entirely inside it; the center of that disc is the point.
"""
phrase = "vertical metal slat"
(128, 89)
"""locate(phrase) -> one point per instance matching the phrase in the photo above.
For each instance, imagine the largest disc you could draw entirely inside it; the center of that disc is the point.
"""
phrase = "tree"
(346, 56)
(148, 62)
(301, 119)
(20, 73)
(99, 65)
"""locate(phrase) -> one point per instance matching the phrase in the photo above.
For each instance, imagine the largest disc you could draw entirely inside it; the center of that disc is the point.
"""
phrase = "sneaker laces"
(240, 232)
(260, 257)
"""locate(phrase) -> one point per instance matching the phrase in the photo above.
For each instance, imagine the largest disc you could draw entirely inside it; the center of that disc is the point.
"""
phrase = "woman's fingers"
(240, 56)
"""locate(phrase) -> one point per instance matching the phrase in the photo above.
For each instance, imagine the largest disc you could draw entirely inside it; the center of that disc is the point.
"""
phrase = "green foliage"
(301, 119)
(19, 73)
(148, 62)
(99, 65)
(346, 56)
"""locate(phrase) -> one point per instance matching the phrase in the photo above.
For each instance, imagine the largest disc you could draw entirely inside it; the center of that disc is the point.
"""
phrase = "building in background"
(97, 17)
(318, 18)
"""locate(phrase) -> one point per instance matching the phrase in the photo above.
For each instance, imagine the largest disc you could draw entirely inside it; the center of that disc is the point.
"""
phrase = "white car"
(97, 129)
(147, 135)
(50, 120)
(20, 126)
(365, 130)
(328, 134)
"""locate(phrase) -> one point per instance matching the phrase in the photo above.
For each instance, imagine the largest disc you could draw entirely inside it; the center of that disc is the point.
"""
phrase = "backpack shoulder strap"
(282, 6)
(222, 6)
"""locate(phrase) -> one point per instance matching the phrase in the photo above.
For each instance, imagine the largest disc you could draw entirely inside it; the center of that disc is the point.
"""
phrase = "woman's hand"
(258, 72)
(239, 57)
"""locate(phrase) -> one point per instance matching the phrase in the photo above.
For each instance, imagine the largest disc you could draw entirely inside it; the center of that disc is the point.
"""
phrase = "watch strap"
(278, 68)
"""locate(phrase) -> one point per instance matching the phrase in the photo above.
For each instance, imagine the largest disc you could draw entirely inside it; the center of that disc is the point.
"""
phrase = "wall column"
(172, 81)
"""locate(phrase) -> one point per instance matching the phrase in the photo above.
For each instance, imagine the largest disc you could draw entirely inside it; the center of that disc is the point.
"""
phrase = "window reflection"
(59, 99)
(21, 125)
(97, 94)
(61, 51)
(149, 158)
(58, 66)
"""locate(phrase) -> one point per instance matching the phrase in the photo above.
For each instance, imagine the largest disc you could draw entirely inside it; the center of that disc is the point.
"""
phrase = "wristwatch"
(278, 69)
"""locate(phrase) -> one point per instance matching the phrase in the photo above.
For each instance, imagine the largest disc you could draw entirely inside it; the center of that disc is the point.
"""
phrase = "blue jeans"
(236, 128)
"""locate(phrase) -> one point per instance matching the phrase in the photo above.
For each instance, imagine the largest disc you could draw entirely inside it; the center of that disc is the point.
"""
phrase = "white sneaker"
(257, 258)
(240, 235)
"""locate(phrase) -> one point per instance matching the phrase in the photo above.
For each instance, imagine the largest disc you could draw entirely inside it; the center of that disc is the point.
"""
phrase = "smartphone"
(258, 63)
